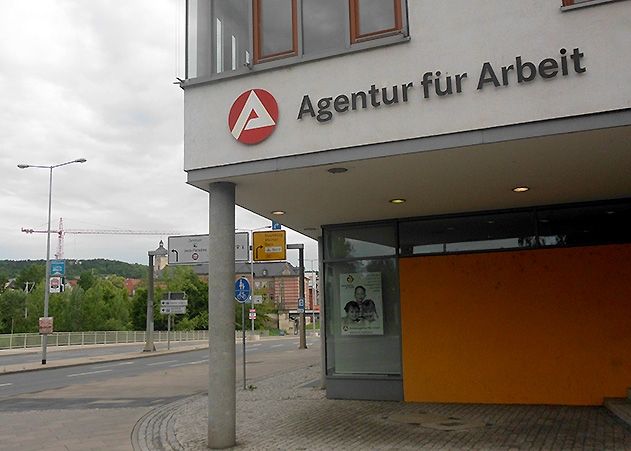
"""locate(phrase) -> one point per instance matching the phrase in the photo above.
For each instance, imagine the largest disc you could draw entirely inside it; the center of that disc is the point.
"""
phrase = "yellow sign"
(268, 246)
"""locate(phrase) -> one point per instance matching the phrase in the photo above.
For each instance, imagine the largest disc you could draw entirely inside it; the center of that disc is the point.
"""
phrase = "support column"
(221, 363)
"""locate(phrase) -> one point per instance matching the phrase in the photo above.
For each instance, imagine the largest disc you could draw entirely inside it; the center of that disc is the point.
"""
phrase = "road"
(62, 353)
(95, 406)
(20, 383)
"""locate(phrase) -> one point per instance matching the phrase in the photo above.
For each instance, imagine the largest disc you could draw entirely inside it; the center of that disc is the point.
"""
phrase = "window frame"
(257, 38)
(567, 5)
(355, 32)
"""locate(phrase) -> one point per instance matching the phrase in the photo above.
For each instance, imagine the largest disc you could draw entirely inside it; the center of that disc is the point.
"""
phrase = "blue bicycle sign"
(242, 290)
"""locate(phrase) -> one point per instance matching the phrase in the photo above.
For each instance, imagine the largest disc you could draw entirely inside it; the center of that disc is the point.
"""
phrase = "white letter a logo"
(253, 115)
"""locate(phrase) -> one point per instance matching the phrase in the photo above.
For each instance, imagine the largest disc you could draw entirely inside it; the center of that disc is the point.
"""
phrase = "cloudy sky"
(94, 79)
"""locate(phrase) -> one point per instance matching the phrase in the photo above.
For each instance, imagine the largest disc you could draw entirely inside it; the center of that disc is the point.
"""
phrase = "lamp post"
(50, 197)
(159, 252)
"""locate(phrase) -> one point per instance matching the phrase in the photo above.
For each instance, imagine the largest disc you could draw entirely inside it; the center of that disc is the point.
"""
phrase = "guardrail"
(18, 341)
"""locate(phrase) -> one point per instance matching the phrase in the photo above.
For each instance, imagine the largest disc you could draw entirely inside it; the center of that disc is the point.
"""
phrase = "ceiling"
(563, 168)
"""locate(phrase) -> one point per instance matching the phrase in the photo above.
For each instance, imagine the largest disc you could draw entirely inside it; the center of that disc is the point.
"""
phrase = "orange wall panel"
(548, 326)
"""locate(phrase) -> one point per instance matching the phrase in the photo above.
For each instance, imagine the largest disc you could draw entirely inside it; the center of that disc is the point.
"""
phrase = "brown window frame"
(354, 19)
(258, 56)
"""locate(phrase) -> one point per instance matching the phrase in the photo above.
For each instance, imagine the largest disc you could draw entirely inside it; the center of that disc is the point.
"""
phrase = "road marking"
(114, 364)
(189, 363)
(162, 363)
(276, 346)
(4, 385)
(88, 373)
(253, 345)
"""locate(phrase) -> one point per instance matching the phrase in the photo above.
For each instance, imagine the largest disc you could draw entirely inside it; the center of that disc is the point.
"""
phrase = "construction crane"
(61, 232)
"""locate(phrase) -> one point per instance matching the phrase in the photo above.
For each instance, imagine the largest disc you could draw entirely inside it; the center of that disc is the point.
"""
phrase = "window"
(371, 19)
(275, 29)
(240, 35)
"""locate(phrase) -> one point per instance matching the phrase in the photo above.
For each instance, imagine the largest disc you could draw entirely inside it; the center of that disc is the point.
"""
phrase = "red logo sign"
(253, 116)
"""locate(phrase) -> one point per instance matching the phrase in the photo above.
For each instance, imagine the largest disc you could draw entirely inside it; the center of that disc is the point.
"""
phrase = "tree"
(86, 279)
(33, 274)
(12, 304)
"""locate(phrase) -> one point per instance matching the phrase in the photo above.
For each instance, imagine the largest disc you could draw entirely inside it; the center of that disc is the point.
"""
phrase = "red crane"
(61, 232)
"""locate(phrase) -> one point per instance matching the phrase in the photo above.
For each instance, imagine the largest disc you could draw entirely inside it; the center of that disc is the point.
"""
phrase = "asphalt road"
(61, 353)
(35, 381)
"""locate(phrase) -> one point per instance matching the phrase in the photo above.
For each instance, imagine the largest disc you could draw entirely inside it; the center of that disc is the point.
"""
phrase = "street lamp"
(159, 252)
(47, 279)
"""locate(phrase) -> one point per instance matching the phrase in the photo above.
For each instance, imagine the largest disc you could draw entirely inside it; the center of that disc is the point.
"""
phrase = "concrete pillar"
(221, 364)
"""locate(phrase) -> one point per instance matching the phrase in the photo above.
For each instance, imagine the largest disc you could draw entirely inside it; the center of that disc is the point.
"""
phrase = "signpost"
(174, 303)
(268, 246)
(242, 291)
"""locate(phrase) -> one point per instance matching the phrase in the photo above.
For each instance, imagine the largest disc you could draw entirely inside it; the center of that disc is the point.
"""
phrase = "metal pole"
(252, 278)
(149, 346)
(169, 332)
(303, 332)
(47, 278)
(243, 332)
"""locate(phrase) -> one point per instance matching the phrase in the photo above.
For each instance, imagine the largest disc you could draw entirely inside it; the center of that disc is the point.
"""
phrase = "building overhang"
(575, 159)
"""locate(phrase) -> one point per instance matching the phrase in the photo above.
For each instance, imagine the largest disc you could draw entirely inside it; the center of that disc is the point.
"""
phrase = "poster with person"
(361, 304)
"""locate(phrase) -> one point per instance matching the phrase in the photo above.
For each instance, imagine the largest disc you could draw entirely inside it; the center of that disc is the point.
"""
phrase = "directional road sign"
(242, 290)
(175, 310)
(193, 249)
(269, 245)
(173, 302)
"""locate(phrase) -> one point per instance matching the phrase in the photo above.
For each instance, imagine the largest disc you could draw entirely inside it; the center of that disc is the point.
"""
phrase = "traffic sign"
(242, 290)
(268, 246)
(241, 247)
(252, 314)
(58, 267)
(173, 302)
(55, 285)
(179, 310)
(188, 249)
(46, 325)
(301, 305)
(193, 249)
(275, 225)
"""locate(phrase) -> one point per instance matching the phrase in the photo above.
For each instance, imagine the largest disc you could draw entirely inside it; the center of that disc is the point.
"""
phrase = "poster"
(361, 306)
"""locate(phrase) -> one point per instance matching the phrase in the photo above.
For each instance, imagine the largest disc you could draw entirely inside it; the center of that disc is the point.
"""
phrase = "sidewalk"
(289, 412)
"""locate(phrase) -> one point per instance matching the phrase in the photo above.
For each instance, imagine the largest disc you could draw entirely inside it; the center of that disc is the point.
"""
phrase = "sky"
(94, 79)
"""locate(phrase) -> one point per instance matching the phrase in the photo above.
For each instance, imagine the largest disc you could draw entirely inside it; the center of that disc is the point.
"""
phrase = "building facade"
(468, 165)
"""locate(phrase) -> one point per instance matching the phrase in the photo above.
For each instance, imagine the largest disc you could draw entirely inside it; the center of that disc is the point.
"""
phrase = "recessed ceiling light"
(521, 189)
(339, 170)
(397, 201)
(611, 212)
(491, 221)
(278, 212)
(544, 220)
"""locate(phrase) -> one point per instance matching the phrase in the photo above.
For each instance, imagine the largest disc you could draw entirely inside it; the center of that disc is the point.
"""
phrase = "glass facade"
(361, 279)
(362, 301)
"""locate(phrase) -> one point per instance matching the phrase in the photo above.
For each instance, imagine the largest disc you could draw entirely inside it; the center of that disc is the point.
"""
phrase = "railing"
(17, 341)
